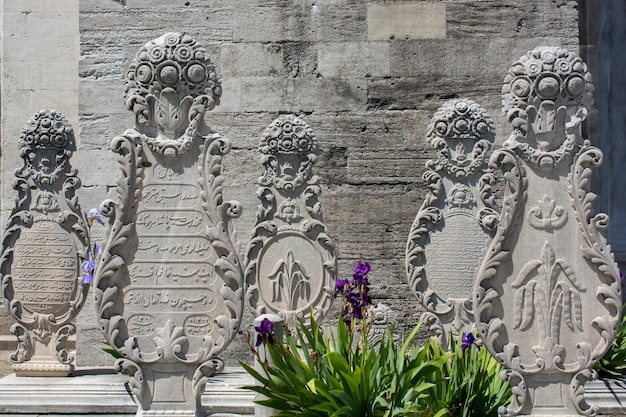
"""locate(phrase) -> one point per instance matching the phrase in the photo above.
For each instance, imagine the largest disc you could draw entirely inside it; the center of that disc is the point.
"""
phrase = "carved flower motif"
(183, 53)
(47, 129)
(287, 135)
(520, 87)
(156, 54)
(563, 67)
(534, 67)
(173, 60)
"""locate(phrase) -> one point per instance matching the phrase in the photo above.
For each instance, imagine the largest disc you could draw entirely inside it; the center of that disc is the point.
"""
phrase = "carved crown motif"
(456, 126)
(170, 84)
(47, 129)
(547, 73)
(288, 135)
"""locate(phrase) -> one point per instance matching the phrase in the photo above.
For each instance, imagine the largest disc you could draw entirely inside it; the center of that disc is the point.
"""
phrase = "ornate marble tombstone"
(382, 319)
(291, 265)
(453, 225)
(43, 246)
(547, 294)
(169, 286)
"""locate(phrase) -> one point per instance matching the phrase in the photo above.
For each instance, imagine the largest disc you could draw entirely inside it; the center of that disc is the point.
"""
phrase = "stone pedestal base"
(102, 392)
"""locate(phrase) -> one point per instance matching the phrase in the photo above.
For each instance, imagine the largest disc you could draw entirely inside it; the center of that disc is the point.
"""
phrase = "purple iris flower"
(468, 340)
(264, 331)
(94, 215)
(359, 277)
(340, 286)
(88, 267)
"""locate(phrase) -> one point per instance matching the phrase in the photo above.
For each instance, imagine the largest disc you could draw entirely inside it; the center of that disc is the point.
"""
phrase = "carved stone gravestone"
(548, 296)
(291, 265)
(381, 323)
(169, 286)
(43, 246)
(452, 227)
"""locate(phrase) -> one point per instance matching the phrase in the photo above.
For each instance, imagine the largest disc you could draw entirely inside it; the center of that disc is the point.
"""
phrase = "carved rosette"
(452, 227)
(43, 247)
(291, 264)
(169, 285)
(548, 295)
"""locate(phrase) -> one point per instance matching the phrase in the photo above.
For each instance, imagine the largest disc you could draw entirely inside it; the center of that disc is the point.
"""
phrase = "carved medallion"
(169, 286)
(291, 258)
(43, 247)
(452, 227)
(548, 296)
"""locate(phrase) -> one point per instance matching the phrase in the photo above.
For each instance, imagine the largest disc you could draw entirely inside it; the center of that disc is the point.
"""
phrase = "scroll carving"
(548, 258)
(43, 247)
(291, 264)
(457, 216)
(169, 285)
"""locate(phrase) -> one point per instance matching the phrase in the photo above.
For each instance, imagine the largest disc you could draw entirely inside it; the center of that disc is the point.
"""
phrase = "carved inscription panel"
(172, 275)
(453, 254)
(44, 268)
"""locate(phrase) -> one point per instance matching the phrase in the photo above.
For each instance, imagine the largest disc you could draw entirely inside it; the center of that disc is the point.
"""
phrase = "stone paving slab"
(102, 392)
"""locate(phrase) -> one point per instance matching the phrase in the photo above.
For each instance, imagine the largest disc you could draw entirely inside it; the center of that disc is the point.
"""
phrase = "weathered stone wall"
(366, 76)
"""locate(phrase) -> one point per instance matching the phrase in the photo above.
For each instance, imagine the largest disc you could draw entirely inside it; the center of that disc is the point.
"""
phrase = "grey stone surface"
(459, 213)
(44, 243)
(548, 293)
(100, 391)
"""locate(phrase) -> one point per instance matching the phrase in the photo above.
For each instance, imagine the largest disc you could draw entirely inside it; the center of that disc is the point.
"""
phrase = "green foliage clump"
(314, 375)
(468, 384)
(341, 375)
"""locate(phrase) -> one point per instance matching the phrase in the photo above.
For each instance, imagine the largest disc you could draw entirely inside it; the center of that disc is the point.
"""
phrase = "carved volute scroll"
(291, 264)
(169, 285)
(43, 246)
(548, 295)
(454, 223)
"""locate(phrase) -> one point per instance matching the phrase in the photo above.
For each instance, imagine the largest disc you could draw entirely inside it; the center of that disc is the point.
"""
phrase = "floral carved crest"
(291, 257)
(43, 247)
(546, 96)
(457, 216)
(288, 150)
(170, 84)
(462, 133)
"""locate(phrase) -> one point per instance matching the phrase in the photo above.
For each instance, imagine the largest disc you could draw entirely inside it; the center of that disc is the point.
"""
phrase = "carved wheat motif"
(548, 288)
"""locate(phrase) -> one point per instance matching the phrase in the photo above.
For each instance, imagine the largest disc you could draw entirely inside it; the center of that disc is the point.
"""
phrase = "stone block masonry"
(368, 98)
